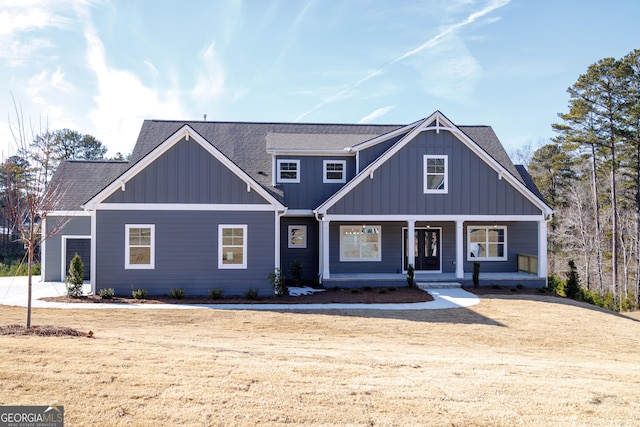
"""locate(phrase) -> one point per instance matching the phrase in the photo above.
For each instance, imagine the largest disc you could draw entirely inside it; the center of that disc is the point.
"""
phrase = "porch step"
(438, 285)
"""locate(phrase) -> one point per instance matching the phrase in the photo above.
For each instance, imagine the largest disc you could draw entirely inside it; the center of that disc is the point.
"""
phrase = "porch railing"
(528, 263)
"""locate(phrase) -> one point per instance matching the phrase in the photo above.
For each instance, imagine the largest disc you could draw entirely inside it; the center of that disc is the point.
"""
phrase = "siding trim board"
(180, 206)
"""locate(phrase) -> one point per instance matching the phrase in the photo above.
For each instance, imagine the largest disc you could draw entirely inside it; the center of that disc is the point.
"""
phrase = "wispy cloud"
(377, 113)
(122, 101)
(429, 44)
(210, 79)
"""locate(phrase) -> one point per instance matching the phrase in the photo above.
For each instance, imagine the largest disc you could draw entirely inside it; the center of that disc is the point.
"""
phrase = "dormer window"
(288, 170)
(334, 171)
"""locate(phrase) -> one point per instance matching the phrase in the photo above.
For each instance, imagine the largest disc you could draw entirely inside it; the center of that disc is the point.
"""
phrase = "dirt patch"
(43, 331)
(328, 296)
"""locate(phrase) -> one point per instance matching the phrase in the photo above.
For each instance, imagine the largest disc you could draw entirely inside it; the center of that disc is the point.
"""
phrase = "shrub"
(368, 288)
(278, 283)
(177, 293)
(75, 278)
(555, 284)
(393, 289)
(382, 291)
(542, 290)
(296, 272)
(496, 286)
(138, 293)
(519, 286)
(17, 268)
(251, 294)
(411, 274)
(107, 293)
(337, 288)
(572, 286)
(216, 293)
(476, 275)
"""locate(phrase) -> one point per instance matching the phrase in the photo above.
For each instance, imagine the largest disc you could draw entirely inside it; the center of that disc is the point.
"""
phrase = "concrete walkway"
(13, 291)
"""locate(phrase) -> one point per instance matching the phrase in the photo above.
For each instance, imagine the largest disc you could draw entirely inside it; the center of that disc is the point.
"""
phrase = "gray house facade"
(202, 205)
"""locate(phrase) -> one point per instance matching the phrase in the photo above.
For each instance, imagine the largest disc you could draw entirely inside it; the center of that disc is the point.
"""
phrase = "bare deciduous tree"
(28, 196)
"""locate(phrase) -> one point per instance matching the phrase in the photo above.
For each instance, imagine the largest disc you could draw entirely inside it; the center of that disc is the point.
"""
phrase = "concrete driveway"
(13, 292)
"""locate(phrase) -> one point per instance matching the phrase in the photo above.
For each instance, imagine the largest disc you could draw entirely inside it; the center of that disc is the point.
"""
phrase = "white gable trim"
(441, 124)
(186, 132)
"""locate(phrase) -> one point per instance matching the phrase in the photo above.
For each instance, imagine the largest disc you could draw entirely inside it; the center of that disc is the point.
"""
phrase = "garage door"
(81, 247)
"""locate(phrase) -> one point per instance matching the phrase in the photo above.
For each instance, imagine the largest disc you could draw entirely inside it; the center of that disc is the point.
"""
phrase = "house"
(202, 205)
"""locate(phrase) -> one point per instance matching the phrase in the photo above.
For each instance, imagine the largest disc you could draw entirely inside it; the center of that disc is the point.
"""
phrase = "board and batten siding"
(311, 191)
(186, 252)
(73, 226)
(186, 173)
(370, 154)
(397, 186)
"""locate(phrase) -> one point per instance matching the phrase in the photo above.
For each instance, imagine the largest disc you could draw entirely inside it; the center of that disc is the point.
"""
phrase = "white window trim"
(223, 266)
(292, 245)
(486, 227)
(326, 180)
(151, 265)
(288, 180)
(426, 188)
(351, 259)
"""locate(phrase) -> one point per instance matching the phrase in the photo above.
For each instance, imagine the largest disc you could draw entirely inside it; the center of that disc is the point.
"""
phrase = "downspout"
(279, 215)
(321, 246)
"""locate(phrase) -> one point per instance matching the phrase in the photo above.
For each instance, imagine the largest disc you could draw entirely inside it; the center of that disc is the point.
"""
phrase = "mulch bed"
(43, 331)
(508, 290)
(344, 296)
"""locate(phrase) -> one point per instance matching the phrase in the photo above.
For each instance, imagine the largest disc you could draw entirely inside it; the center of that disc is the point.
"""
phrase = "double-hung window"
(288, 170)
(360, 243)
(139, 246)
(486, 243)
(436, 174)
(334, 171)
(232, 246)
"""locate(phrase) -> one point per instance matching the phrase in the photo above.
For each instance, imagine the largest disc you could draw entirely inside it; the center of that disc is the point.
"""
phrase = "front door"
(427, 248)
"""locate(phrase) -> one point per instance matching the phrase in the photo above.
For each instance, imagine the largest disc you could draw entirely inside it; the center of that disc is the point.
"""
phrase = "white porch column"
(324, 227)
(542, 248)
(411, 247)
(459, 249)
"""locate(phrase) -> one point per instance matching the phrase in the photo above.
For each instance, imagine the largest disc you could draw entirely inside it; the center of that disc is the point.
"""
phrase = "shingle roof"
(82, 179)
(246, 144)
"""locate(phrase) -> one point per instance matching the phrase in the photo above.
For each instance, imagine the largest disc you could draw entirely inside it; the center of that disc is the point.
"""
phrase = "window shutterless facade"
(436, 174)
(288, 170)
(139, 246)
(486, 243)
(232, 246)
(360, 243)
(334, 171)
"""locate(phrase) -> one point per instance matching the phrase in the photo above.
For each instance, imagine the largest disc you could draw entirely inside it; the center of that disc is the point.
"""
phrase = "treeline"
(590, 175)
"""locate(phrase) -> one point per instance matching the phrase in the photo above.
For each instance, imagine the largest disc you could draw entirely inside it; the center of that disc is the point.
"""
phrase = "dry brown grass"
(512, 360)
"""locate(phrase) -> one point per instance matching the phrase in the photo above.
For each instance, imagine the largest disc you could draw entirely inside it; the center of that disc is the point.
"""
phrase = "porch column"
(324, 256)
(542, 248)
(459, 249)
(411, 247)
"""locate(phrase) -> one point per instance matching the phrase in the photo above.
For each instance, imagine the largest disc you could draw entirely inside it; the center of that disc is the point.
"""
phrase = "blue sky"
(101, 67)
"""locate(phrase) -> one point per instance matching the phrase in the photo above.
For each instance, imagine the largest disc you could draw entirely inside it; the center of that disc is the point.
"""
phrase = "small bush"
(393, 289)
(572, 286)
(496, 286)
(542, 290)
(411, 274)
(368, 288)
(555, 284)
(177, 293)
(17, 268)
(382, 291)
(107, 293)
(337, 288)
(519, 286)
(296, 272)
(278, 282)
(514, 289)
(476, 275)
(75, 278)
(138, 293)
(251, 294)
(355, 291)
(216, 293)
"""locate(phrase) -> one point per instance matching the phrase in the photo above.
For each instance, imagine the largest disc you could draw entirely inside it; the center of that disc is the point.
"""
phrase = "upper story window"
(139, 246)
(288, 170)
(486, 243)
(436, 174)
(334, 171)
